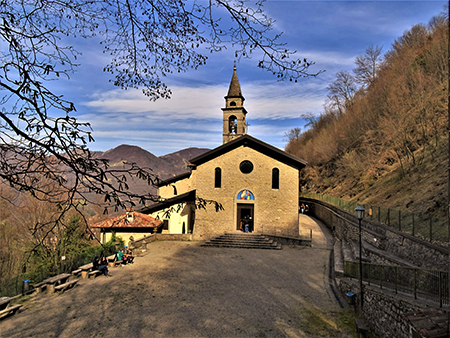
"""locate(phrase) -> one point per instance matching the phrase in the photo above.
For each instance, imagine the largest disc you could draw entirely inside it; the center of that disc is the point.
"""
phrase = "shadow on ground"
(179, 289)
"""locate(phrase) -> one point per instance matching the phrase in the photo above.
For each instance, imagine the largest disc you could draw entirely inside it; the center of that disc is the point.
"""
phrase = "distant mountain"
(164, 166)
(143, 158)
(180, 159)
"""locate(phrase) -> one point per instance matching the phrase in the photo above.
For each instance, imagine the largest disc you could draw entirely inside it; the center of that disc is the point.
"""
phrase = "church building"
(245, 175)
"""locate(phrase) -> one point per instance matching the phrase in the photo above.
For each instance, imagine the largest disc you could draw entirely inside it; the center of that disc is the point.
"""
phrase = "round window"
(246, 167)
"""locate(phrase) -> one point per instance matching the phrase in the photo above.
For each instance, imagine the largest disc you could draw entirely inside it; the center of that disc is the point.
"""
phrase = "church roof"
(173, 179)
(258, 145)
(138, 220)
(183, 198)
(235, 88)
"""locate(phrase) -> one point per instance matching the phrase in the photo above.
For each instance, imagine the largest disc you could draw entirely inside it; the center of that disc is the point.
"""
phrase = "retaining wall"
(384, 313)
(407, 247)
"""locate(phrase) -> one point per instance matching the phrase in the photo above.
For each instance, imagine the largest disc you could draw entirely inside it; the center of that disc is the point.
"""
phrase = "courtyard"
(180, 289)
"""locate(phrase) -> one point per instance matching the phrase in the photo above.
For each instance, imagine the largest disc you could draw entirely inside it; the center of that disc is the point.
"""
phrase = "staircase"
(243, 241)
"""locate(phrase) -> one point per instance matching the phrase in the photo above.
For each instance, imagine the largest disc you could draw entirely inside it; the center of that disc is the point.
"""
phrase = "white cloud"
(270, 101)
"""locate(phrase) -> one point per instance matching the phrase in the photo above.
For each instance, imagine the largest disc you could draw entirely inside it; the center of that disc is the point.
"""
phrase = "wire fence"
(421, 283)
(422, 226)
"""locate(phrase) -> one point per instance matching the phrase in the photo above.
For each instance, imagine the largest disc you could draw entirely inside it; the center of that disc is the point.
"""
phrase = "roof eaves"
(173, 179)
(249, 141)
(186, 197)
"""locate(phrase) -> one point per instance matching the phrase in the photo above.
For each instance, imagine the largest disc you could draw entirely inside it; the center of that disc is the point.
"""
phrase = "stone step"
(242, 246)
(244, 241)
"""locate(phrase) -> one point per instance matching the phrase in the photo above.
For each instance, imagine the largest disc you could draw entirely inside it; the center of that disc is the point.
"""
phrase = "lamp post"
(360, 215)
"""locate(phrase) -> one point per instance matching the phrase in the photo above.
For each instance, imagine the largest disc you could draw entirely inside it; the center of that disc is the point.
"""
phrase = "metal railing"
(420, 283)
(421, 226)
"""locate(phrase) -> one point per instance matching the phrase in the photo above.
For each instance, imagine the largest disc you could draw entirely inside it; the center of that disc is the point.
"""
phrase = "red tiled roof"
(121, 221)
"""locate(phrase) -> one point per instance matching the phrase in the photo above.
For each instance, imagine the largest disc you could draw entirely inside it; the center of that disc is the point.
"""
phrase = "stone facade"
(275, 211)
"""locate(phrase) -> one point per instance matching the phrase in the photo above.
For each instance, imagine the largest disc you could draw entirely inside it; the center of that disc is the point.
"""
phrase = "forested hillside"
(33, 242)
(382, 138)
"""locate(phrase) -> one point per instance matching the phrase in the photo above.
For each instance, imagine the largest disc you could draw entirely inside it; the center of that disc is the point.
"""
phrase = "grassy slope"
(423, 189)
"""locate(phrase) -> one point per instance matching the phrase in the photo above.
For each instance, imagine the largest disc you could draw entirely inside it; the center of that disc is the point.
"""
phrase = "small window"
(218, 178)
(246, 167)
(232, 104)
(166, 224)
(275, 178)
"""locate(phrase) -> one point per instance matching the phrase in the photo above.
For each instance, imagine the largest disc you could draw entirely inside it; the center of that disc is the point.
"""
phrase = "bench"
(361, 327)
(77, 272)
(65, 286)
(55, 281)
(94, 273)
(85, 269)
(113, 262)
(40, 287)
(6, 309)
(10, 310)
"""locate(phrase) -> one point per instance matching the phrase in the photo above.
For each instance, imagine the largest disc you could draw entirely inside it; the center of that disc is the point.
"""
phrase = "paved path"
(179, 289)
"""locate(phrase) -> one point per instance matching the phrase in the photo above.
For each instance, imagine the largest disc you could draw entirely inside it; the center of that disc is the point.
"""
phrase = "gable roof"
(121, 221)
(183, 198)
(173, 179)
(251, 142)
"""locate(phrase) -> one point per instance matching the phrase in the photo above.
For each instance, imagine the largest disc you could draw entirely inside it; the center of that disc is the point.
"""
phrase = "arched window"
(232, 104)
(232, 124)
(218, 178)
(275, 178)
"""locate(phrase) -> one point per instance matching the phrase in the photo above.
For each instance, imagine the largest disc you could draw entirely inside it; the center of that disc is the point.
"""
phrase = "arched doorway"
(245, 207)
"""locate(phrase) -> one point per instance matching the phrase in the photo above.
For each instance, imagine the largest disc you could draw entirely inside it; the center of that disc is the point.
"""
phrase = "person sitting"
(97, 266)
(103, 261)
(129, 256)
(121, 257)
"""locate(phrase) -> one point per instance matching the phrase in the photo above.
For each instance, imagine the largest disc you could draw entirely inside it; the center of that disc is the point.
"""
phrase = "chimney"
(130, 215)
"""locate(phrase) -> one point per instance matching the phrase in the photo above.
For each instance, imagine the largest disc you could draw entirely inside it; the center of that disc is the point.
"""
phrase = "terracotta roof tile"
(121, 221)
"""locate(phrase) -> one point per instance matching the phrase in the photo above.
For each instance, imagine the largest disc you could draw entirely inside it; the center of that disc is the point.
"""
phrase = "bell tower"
(234, 111)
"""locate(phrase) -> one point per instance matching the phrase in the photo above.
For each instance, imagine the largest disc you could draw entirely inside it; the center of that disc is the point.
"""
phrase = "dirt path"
(179, 289)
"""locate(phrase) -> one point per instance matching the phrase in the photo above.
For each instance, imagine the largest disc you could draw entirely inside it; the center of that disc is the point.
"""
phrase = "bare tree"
(341, 92)
(145, 39)
(367, 65)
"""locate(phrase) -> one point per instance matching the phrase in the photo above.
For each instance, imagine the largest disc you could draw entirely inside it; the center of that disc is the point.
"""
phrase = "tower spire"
(235, 88)
(234, 124)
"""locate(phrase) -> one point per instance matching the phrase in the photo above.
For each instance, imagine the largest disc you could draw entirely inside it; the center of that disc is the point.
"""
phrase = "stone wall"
(384, 312)
(409, 248)
(275, 210)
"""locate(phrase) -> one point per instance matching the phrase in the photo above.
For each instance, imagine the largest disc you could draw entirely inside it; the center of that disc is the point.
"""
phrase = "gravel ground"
(179, 289)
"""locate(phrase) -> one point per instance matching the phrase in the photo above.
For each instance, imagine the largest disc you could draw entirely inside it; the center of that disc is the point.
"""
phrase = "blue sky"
(330, 33)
